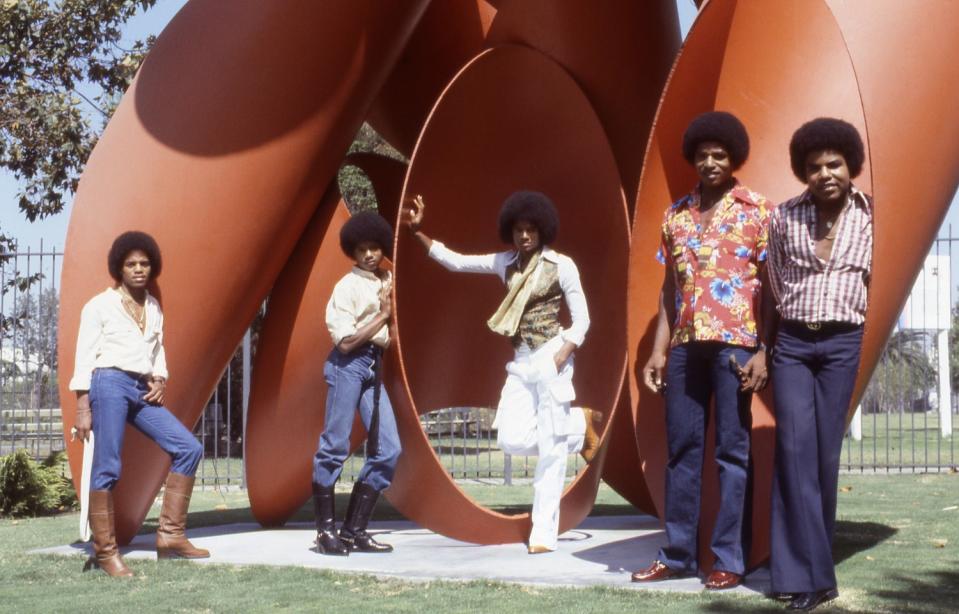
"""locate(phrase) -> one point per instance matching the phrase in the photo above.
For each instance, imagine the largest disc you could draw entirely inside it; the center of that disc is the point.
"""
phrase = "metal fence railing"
(902, 426)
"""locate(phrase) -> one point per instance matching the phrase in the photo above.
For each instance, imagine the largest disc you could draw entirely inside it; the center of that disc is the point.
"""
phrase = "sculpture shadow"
(922, 593)
(855, 537)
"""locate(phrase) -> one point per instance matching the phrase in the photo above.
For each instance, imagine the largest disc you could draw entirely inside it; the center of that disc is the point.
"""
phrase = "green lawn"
(897, 546)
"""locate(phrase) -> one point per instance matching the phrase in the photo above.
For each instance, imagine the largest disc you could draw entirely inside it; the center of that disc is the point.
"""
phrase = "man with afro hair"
(534, 416)
(120, 378)
(819, 265)
(708, 345)
(358, 316)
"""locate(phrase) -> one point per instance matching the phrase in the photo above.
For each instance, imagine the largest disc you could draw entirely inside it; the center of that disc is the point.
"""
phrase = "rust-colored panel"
(448, 36)
(512, 119)
(288, 392)
(618, 51)
(623, 470)
(221, 149)
(727, 63)
(905, 58)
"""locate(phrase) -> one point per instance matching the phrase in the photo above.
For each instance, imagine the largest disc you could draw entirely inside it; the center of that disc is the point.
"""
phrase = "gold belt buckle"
(814, 326)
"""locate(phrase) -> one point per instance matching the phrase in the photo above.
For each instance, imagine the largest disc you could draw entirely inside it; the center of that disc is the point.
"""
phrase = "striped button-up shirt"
(807, 288)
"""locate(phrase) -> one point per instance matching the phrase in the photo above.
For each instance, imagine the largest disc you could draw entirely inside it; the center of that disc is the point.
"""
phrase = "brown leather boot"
(590, 437)
(171, 534)
(106, 555)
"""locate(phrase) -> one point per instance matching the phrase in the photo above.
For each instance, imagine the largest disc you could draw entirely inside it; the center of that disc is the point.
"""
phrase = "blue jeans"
(813, 376)
(116, 398)
(351, 384)
(695, 372)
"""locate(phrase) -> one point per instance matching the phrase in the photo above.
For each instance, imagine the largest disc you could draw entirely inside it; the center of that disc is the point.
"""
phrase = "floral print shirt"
(716, 269)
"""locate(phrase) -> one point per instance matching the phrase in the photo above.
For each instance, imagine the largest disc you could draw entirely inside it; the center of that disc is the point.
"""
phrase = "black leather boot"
(353, 532)
(327, 542)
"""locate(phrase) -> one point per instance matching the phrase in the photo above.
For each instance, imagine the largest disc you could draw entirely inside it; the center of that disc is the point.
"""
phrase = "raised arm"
(489, 264)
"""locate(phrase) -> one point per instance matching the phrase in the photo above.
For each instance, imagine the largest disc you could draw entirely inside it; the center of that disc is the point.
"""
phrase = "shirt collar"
(548, 254)
(120, 295)
(738, 192)
(859, 199)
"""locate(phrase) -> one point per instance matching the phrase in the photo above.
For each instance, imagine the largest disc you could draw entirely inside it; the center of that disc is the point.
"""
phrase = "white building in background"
(16, 362)
(929, 309)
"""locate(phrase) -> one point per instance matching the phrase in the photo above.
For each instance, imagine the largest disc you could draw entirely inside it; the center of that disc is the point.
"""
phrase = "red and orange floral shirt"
(716, 269)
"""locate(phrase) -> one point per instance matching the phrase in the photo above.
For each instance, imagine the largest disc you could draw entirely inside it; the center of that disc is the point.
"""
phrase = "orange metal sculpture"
(237, 122)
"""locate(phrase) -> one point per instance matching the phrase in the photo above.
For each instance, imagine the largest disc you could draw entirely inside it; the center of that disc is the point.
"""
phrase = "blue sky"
(52, 231)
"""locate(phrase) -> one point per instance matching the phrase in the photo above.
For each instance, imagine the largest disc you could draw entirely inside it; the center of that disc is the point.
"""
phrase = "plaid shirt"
(807, 288)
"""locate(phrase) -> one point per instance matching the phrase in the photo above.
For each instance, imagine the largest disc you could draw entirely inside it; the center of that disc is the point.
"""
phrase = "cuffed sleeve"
(575, 300)
(88, 338)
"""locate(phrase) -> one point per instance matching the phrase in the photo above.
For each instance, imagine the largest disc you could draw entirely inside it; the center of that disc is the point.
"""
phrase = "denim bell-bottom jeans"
(696, 372)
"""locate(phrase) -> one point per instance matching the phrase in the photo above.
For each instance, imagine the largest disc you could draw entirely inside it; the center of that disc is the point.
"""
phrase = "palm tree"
(904, 373)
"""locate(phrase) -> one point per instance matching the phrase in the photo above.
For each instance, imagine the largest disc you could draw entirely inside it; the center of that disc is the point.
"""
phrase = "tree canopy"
(62, 72)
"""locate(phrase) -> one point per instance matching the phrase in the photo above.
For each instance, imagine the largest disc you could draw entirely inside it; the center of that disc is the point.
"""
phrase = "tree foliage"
(905, 373)
(62, 72)
(355, 187)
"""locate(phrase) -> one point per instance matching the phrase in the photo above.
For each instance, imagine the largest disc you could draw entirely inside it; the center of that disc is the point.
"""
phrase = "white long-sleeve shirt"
(110, 337)
(354, 303)
(496, 264)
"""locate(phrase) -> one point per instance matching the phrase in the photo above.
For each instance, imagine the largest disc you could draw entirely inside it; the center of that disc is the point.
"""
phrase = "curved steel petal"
(221, 149)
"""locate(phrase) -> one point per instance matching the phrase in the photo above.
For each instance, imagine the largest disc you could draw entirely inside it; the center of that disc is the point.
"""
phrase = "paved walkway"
(601, 551)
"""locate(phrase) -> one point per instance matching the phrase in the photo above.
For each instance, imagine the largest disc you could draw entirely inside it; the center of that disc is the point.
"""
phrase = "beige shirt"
(110, 337)
(354, 304)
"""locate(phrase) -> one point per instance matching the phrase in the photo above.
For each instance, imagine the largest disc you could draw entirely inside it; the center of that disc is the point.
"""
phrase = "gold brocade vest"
(540, 320)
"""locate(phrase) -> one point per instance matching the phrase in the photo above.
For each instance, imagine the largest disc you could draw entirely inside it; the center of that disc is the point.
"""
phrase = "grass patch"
(897, 545)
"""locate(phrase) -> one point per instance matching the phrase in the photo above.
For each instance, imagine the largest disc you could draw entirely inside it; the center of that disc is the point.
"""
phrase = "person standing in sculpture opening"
(820, 263)
(708, 345)
(120, 378)
(358, 317)
(534, 416)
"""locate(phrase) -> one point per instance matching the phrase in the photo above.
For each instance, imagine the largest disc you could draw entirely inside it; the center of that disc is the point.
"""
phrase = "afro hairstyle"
(826, 133)
(534, 207)
(721, 127)
(131, 241)
(366, 226)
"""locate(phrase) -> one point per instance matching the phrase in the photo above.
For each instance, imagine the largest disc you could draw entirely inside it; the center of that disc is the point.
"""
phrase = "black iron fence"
(903, 424)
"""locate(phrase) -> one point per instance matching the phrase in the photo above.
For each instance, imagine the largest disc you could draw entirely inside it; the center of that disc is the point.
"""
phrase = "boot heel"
(90, 563)
(167, 554)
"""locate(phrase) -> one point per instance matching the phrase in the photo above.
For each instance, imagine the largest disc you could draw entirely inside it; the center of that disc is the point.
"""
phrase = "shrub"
(28, 488)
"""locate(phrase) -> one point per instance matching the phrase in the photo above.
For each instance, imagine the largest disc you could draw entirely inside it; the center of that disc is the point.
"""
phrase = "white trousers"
(534, 418)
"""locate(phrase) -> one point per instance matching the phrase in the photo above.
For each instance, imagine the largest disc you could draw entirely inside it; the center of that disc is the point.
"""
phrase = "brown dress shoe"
(721, 580)
(655, 572)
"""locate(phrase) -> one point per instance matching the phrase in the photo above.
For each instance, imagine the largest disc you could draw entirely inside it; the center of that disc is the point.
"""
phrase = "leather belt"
(826, 327)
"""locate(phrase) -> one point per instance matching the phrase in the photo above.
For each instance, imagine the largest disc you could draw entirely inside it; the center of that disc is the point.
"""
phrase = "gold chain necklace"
(130, 306)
